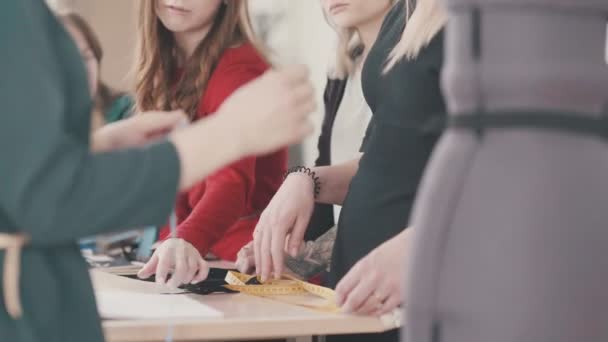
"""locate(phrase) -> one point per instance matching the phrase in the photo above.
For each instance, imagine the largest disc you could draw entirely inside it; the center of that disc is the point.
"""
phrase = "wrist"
(310, 175)
(101, 141)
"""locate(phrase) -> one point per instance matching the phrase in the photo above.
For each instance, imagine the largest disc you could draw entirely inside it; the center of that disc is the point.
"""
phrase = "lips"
(337, 8)
(177, 10)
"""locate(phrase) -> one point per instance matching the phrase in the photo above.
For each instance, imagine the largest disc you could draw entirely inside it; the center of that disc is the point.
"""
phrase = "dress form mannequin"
(511, 240)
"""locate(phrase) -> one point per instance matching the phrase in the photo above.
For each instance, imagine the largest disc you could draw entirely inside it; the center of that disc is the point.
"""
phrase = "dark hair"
(105, 95)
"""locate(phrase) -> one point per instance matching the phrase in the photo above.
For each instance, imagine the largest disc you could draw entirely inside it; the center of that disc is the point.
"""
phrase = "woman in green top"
(55, 177)
(109, 105)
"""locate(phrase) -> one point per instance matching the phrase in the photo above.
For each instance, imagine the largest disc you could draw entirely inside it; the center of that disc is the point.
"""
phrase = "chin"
(344, 21)
(176, 26)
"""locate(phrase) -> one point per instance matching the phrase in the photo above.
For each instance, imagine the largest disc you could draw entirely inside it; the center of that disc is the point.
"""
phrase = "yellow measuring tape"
(288, 289)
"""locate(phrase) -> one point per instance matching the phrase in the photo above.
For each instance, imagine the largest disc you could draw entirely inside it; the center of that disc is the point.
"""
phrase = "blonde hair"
(348, 50)
(424, 19)
(156, 66)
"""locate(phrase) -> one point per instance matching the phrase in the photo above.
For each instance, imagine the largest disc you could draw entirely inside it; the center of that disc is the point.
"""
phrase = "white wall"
(312, 41)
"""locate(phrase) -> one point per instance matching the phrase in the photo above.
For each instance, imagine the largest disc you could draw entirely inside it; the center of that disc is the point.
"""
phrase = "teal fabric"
(52, 188)
(120, 109)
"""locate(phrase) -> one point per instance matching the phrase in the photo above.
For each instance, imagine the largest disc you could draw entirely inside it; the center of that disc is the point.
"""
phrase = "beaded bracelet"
(309, 172)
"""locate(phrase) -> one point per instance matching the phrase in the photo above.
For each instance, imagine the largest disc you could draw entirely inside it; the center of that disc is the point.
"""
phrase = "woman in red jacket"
(192, 56)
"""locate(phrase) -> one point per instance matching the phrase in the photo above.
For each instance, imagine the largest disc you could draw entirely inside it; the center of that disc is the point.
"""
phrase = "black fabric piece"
(567, 123)
(213, 284)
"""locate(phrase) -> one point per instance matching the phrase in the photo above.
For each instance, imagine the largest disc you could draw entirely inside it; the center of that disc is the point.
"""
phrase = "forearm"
(200, 157)
(335, 181)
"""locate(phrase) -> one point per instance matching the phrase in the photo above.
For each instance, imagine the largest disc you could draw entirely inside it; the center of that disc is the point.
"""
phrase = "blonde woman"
(347, 115)
(403, 90)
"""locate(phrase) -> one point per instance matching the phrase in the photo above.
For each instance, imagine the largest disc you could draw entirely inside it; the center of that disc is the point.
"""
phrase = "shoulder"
(395, 17)
(432, 54)
(237, 67)
(243, 57)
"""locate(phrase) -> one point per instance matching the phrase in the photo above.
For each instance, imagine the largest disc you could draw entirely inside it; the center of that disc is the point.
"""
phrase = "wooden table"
(245, 318)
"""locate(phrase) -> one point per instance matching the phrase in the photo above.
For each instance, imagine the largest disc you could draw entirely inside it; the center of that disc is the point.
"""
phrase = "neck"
(369, 32)
(187, 42)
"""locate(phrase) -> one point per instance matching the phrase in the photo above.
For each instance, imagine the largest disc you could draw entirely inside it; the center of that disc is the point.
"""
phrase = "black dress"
(408, 110)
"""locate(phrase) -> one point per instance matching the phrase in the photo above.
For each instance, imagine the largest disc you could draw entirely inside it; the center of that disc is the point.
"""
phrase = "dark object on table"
(213, 284)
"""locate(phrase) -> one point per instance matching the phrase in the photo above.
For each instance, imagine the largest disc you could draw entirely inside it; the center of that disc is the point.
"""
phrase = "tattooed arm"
(314, 257)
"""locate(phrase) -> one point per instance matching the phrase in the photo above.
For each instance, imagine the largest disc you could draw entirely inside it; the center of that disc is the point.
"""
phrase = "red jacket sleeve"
(226, 193)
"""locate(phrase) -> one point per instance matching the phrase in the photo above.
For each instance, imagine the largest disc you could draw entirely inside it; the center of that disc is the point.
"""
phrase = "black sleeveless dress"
(407, 108)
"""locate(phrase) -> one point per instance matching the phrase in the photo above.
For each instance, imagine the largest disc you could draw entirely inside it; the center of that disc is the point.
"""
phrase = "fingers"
(294, 74)
(304, 96)
(358, 297)
(149, 268)
(347, 285)
(277, 250)
(298, 131)
(371, 304)
(265, 253)
(180, 272)
(297, 235)
(257, 248)
(393, 302)
(193, 267)
(162, 270)
(203, 271)
(245, 261)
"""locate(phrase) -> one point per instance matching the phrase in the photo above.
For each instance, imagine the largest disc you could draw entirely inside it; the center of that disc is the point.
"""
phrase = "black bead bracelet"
(309, 172)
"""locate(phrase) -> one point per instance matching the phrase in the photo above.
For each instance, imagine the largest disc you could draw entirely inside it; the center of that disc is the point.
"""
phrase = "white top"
(350, 125)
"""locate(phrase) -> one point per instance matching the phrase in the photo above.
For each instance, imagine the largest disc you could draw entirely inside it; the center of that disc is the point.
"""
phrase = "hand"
(272, 111)
(136, 131)
(179, 257)
(374, 285)
(287, 214)
(245, 260)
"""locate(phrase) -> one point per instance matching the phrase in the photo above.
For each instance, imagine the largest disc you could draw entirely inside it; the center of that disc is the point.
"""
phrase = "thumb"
(149, 268)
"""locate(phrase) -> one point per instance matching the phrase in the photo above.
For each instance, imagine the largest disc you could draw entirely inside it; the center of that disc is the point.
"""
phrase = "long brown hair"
(105, 95)
(156, 64)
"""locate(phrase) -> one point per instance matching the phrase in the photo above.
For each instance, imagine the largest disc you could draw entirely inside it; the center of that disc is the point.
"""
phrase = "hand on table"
(374, 286)
(179, 257)
(282, 225)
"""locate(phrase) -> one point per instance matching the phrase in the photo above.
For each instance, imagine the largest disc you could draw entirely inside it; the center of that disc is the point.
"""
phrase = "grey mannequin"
(511, 240)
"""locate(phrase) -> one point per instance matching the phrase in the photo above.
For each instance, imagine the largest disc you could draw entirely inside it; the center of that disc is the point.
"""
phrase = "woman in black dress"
(377, 191)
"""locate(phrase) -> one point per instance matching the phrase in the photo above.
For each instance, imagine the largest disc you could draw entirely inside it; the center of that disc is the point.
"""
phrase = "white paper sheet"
(117, 304)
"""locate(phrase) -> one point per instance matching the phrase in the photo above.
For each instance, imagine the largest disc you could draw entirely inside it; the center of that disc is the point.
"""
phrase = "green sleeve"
(120, 109)
(51, 186)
